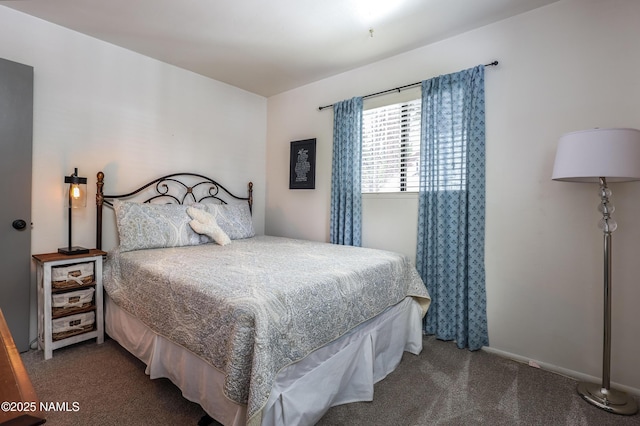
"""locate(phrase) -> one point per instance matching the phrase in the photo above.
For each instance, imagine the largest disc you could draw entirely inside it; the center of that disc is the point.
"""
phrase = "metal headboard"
(173, 189)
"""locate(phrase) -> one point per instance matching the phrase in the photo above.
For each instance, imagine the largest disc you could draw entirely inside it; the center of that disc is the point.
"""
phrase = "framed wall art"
(302, 164)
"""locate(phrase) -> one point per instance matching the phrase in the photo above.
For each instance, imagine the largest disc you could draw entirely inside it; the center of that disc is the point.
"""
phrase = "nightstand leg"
(99, 301)
(46, 293)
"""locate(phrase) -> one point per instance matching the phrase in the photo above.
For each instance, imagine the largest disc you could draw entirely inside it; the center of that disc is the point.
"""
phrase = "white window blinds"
(391, 152)
(391, 148)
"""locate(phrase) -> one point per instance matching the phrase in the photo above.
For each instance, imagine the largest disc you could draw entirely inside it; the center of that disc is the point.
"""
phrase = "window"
(391, 151)
(391, 148)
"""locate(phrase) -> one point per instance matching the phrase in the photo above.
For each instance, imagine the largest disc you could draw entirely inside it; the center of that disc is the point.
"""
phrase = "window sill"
(390, 195)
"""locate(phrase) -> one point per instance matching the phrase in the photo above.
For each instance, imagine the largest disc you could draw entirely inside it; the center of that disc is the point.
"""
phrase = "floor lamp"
(602, 156)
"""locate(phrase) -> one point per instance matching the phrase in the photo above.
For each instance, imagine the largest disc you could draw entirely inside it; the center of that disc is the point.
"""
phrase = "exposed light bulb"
(75, 192)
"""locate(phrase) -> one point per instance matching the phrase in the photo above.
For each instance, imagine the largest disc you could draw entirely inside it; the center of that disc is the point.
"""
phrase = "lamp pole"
(70, 202)
(603, 396)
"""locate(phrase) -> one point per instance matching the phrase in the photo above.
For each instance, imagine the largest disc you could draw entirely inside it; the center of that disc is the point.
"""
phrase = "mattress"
(340, 372)
(254, 307)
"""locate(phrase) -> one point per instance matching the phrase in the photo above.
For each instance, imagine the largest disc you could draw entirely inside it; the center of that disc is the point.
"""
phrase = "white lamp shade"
(588, 155)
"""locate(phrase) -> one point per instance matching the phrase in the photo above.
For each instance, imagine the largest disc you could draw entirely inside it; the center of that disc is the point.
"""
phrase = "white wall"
(569, 66)
(101, 107)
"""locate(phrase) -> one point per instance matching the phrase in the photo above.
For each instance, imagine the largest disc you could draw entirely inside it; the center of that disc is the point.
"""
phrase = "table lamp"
(77, 197)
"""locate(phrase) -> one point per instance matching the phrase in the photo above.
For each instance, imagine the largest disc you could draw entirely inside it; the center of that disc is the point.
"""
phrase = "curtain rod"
(397, 89)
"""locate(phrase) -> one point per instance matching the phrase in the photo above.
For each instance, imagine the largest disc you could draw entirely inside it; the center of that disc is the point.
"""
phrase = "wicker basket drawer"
(71, 301)
(72, 325)
(68, 276)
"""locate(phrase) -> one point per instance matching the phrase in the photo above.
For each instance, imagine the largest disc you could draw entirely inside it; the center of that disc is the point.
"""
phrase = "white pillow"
(204, 223)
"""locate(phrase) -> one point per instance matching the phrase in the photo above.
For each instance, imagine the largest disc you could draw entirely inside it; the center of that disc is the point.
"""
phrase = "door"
(16, 129)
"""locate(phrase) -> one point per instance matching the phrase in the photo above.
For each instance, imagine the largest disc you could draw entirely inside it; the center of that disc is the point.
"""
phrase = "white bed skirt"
(341, 372)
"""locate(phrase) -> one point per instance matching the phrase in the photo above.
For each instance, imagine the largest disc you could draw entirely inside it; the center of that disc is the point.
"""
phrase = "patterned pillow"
(144, 225)
(234, 219)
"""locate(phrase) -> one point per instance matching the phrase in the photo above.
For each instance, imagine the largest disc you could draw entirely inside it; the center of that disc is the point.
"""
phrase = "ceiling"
(268, 47)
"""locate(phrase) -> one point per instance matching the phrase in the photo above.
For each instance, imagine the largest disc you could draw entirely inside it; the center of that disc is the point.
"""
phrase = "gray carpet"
(441, 386)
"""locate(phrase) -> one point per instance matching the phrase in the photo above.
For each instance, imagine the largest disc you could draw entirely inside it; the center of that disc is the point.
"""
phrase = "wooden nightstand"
(70, 303)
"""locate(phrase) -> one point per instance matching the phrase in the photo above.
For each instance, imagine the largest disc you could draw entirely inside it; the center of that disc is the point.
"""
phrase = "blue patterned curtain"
(346, 198)
(451, 212)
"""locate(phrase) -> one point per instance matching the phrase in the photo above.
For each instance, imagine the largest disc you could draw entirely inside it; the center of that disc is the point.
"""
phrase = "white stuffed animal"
(204, 223)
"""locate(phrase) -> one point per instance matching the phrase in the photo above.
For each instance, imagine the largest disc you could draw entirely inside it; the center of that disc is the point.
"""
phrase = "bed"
(258, 330)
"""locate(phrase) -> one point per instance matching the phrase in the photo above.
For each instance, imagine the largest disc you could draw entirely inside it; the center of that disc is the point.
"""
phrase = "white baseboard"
(559, 370)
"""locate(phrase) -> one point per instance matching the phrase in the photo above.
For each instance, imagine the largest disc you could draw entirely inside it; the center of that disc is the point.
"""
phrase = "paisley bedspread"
(256, 305)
